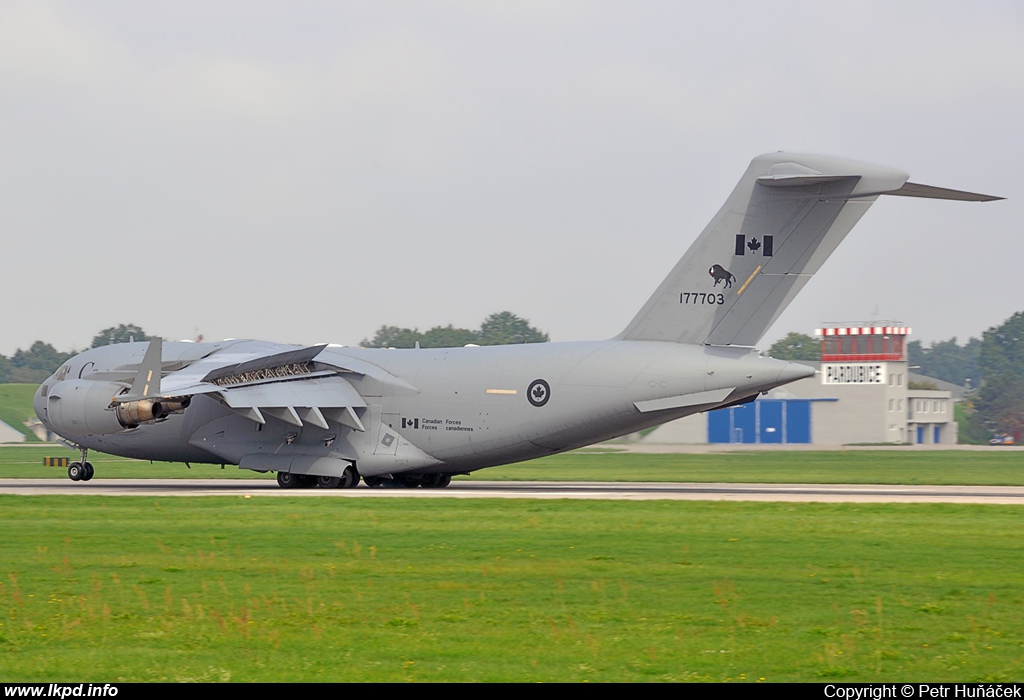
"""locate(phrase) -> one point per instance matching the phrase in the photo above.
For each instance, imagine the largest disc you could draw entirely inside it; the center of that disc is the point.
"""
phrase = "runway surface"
(633, 491)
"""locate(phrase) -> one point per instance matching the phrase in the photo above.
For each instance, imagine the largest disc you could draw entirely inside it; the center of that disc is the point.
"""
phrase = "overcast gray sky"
(308, 171)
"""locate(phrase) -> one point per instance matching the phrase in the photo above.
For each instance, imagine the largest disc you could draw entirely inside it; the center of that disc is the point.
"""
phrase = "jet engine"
(87, 407)
(131, 413)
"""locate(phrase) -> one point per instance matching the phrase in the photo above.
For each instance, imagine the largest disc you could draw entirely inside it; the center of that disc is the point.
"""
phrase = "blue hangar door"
(770, 423)
(765, 421)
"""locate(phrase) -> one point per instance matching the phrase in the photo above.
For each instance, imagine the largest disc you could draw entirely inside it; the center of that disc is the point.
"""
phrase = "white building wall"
(930, 410)
(860, 413)
(692, 430)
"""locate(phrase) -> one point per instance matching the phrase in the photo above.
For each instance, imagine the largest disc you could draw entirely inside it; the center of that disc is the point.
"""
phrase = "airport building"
(860, 394)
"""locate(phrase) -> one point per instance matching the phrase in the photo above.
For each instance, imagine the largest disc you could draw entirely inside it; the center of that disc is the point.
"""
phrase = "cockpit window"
(61, 373)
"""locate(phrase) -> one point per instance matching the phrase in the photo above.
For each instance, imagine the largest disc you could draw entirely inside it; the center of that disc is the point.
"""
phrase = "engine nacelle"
(84, 407)
(132, 413)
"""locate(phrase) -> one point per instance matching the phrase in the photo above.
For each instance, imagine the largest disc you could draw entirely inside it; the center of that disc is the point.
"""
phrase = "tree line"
(503, 328)
(34, 365)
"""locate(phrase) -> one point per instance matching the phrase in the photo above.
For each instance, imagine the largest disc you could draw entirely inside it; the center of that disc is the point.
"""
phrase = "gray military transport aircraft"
(327, 416)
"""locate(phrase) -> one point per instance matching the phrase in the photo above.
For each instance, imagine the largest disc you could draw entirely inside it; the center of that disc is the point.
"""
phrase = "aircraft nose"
(39, 402)
(794, 371)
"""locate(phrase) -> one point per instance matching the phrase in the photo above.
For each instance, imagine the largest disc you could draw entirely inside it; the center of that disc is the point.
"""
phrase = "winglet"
(147, 381)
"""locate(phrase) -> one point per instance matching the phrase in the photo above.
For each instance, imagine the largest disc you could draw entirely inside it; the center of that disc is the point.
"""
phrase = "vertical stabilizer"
(781, 222)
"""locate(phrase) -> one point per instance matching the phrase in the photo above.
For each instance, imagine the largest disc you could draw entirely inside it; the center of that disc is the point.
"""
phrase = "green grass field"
(286, 589)
(989, 467)
(16, 407)
(826, 467)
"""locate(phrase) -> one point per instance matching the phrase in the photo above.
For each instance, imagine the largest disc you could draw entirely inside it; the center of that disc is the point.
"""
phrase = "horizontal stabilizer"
(913, 189)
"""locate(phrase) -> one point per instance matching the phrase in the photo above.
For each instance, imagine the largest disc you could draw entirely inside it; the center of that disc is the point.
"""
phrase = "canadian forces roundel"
(539, 392)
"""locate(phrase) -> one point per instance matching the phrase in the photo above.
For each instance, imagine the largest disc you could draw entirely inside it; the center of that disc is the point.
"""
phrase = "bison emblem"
(722, 275)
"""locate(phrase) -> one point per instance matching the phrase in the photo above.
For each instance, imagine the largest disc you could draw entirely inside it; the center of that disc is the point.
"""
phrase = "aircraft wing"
(315, 400)
(237, 364)
(256, 379)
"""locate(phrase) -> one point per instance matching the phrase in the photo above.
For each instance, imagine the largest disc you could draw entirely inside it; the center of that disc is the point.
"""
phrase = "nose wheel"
(82, 470)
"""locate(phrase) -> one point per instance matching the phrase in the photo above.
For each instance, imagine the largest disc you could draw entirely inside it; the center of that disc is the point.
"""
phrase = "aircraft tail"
(788, 213)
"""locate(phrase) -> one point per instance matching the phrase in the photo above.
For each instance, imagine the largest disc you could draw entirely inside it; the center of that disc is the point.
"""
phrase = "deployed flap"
(285, 413)
(252, 413)
(321, 392)
(313, 401)
(313, 416)
(345, 416)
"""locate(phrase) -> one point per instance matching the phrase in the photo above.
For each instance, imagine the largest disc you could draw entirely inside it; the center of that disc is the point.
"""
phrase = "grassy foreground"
(280, 589)
(989, 467)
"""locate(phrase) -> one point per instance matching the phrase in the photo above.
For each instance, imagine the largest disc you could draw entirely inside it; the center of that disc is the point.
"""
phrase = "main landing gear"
(409, 481)
(82, 470)
(348, 480)
(435, 481)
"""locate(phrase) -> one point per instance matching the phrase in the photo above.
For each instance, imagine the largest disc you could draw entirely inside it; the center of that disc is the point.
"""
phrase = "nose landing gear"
(82, 470)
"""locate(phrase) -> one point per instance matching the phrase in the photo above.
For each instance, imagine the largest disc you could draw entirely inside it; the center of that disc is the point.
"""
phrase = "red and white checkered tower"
(849, 342)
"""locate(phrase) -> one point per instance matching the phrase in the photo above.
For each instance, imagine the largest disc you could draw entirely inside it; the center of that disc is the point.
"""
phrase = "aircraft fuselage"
(452, 409)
